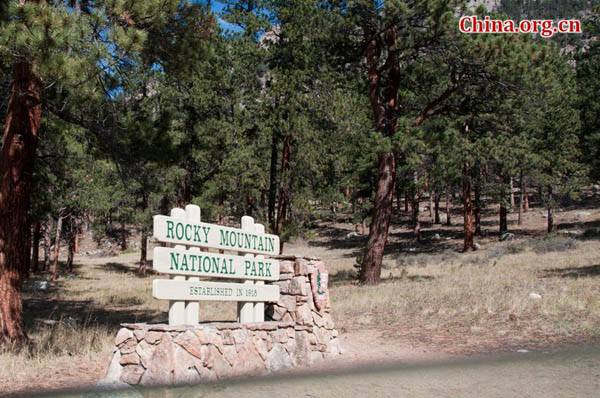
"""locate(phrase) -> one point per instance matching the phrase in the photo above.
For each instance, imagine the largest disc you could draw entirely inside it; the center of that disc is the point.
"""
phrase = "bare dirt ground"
(435, 304)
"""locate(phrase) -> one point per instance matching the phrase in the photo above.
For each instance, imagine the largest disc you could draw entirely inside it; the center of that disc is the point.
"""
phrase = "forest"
(287, 111)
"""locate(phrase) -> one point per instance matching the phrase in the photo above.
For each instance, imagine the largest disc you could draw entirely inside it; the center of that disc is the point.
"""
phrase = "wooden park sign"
(172, 230)
(187, 264)
(186, 290)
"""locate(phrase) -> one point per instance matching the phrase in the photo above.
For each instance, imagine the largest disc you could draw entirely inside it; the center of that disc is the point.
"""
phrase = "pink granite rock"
(128, 346)
(161, 368)
(189, 341)
(130, 359)
(131, 374)
(153, 337)
(248, 361)
(145, 351)
(286, 267)
(123, 335)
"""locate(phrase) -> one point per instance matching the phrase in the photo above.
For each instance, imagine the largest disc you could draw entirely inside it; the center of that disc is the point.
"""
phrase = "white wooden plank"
(259, 308)
(196, 263)
(166, 289)
(173, 230)
(192, 308)
(246, 309)
(177, 308)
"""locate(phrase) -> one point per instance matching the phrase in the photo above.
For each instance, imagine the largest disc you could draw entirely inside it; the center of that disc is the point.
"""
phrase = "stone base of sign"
(296, 334)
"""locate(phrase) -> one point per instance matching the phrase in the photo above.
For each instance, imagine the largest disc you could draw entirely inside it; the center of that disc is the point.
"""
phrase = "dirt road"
(569, 373)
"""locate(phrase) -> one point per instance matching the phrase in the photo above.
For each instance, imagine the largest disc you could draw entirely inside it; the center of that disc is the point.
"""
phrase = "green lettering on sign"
(170, 229)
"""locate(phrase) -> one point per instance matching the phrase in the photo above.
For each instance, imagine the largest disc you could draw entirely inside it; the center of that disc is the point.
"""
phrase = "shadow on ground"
(572, 272)
(125, 269)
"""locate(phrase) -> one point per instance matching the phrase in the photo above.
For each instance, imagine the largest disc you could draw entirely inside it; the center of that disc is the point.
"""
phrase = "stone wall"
(295, 333)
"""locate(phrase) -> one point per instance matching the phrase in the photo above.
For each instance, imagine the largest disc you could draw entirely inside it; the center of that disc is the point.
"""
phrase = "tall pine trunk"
(273, 180)
(47, 244)
(448, 208)
(384, 115)
(503, 218)
(71, 245)
(19, 143)
(467, 206)
(76, 237)
(57, 247)
(503, 223)
(521, 185)
(283, 203)
(186, 189)
(525, 195)
(406, 200)
(415, 221)
(512, 194)
(431, 206)
(550, 211)
(437, 208)
(144, 251)
(123, 237)
(35, 250)
(370, 272)
(477, 210)
(143, 240)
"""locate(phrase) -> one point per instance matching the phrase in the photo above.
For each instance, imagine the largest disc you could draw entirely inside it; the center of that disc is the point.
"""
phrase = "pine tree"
(65, 61)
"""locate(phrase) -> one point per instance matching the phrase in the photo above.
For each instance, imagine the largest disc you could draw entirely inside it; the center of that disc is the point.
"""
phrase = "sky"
(218, 7)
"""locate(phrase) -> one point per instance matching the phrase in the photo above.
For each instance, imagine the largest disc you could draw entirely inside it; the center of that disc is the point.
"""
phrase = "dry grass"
(73, 323)
(467, 296)
(431, 294)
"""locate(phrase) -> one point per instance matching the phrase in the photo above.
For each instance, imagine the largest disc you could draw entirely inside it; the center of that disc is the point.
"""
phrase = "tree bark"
(47, 245)
(477, 210)
(503, 218)
(437, 208)
(71, 246)
(370, 272)
(35, 251)
(186, 190)
(406, 200)
(383, 96)
(415, 221)
(16, 167)
(448, 208)
(550, 211)
(76, 237)
(512, 194)
(57, 247)
(526, 196)
(520, 219)
(123, 237)
(283, 203)
(144, 251)
(431, 205)
(503, 224)
(273, 180)
(467, 206)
